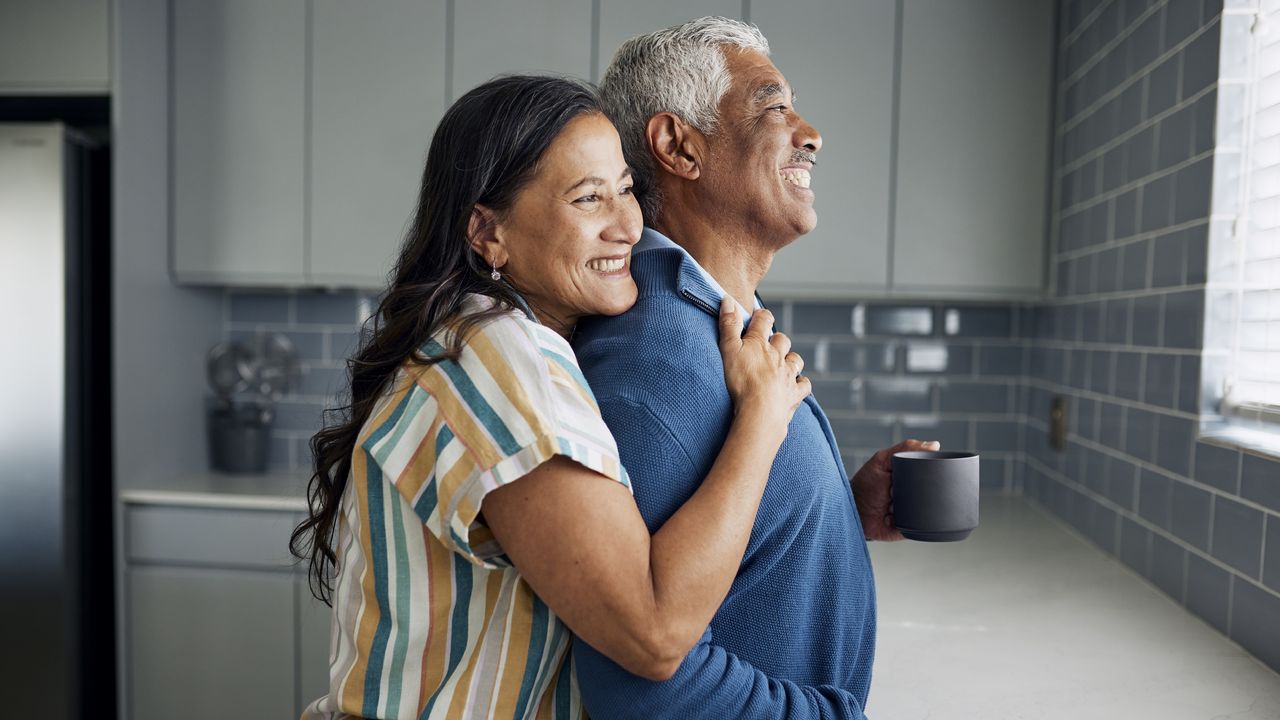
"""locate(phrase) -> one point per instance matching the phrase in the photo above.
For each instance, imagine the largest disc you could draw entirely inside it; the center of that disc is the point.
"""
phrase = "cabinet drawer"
(209, 536)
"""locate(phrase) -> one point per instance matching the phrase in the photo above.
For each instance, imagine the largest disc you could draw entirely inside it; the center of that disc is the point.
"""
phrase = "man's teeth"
(799, 178)
(613, 265)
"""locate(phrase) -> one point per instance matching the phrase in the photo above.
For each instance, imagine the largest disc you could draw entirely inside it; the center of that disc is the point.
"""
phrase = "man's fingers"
(781, 343)
(730, 322)
(795, 362)
(761, 325)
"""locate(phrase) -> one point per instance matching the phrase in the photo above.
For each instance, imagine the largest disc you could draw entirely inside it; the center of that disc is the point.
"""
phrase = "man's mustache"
(804, 156)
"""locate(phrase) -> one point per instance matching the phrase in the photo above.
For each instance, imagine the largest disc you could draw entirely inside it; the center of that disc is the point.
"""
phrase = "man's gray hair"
(680, 70)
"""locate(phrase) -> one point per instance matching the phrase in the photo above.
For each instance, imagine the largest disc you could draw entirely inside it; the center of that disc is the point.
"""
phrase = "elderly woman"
(470, 498)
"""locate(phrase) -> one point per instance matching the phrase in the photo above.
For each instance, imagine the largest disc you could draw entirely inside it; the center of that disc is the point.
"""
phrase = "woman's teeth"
(613, 265)
(799, 178)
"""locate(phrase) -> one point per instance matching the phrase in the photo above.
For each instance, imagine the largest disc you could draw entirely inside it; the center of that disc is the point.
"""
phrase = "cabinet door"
(239, 111)
(838, 57)
(378, 91)
(58, 46)
(502, 36)
(313, 645)
(622, 19)
(973, 146)
(210, 643)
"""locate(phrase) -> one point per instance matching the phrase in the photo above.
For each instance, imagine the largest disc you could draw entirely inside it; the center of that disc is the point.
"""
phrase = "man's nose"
(807, 136)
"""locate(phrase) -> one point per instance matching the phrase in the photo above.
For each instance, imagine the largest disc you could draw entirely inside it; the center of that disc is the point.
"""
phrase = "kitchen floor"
(1025, 619)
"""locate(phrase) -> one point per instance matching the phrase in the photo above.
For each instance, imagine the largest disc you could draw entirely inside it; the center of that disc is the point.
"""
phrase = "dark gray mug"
(935, 495)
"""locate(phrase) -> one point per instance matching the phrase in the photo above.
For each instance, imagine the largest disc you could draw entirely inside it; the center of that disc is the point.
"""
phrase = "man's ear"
(485, 238)
(677, 146)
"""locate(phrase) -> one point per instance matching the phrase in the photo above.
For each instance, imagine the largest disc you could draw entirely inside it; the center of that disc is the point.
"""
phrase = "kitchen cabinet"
(239, 142)
(838, 57)
(55, 47)
(219, 618)
(623, 19)
(377, 93)
(492, 37)
(973, 147)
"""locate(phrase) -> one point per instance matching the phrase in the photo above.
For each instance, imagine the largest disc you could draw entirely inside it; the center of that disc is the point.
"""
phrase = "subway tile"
(1130, 112)
(974, 397)
(1128, 375)
(1000, 360)
(1218, 466)
(1078, 375)
(863, 432)
(1094, 472)
(1102, 528)
(1162, 87)
(336, 308)
(1182, 18)
(1183, 319)
(1176, 137)
(1141, 153)
(1208, 590)
(1082, 413)
(1237, 535)
(1093, 326)
(1099, 222)
(1113, 165)
(1079, 510)
(1205, 122)
(1155, 498)
(1253, 621)
(975, 321)
(1260, 481)
(280, 452)
(1143, 44)
(322, 381)
(1161, 380)
(821, 318)
(996, 436)
(298, 415)
(950, 434)
(1118, 314)
(1100, 375)
(1122, 482)
(1191, 510)
(1140, 434)
(899, 320)
(1196, 255)
(1110, 422)
(991, 473)
(1135, 263)
(936, 357)
(874, 357)
(1157, 203)
(1167, 562)
(1168, 259)
(1146, 320)
(1189, 384)
(1194, 189)
(1200, 61)
(308, 345)
(1135, 544)
(1271, 553)
(258, 307)
(838, 394)
(899, 395)
(1174, 438)
(1131, 9)
(1085, 275)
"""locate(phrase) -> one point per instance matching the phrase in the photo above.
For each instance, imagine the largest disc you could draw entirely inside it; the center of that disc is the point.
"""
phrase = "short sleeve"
(459, 429)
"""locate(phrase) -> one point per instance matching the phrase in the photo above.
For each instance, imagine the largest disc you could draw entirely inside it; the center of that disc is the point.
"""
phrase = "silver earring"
(495, 274)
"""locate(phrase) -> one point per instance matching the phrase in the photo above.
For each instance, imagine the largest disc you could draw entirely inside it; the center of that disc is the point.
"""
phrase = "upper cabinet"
(492, 37)
(377, 93)
(239, 146)
(973, 147)
(55, 47)
(838, 57)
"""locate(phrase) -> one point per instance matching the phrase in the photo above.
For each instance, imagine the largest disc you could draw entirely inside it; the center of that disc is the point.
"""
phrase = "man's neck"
(737, 260)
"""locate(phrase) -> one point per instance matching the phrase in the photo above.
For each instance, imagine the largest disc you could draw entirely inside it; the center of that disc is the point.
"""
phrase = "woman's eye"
(625, 191)
(588, 198)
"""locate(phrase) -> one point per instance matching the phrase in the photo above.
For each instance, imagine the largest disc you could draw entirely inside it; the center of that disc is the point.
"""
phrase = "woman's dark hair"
(485, 150)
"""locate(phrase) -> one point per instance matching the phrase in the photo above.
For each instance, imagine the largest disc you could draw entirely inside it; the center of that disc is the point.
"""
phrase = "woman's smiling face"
(565, 244)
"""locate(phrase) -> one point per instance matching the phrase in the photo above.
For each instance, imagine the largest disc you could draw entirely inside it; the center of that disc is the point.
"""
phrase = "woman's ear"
(677, 146)
(482, 231)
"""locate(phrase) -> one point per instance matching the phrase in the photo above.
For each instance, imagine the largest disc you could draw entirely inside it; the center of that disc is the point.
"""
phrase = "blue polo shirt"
(795, 637)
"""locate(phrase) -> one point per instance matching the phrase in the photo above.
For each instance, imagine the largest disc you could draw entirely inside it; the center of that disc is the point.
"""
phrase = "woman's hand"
(761, 372)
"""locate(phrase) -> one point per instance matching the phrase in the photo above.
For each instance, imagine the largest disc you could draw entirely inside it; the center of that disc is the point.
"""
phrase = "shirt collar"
(694, 282)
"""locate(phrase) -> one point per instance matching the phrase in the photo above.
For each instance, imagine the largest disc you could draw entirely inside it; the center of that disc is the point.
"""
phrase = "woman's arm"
(584, 549)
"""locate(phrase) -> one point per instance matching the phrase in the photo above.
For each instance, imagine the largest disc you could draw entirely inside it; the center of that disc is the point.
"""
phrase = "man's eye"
(780, 108)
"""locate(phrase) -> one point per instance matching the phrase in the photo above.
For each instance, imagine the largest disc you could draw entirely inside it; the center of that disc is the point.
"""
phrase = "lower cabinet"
(216, 627)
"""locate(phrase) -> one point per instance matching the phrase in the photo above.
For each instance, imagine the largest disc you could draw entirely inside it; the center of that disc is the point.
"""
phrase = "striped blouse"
(430, 619)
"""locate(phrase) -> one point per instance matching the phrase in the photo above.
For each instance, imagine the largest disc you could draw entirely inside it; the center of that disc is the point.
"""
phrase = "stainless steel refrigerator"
(56, 594)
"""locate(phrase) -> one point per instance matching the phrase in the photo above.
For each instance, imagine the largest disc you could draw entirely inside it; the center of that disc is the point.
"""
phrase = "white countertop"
(270, 491)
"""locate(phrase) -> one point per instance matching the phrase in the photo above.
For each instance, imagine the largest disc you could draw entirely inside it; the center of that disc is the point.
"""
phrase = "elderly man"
(722, 162)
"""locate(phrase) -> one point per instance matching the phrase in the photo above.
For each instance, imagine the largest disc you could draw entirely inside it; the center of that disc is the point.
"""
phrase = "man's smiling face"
(762, 152)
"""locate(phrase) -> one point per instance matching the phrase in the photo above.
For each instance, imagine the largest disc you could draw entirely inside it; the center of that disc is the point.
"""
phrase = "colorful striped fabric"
(430, 620)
